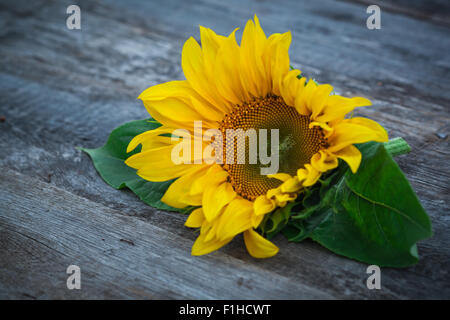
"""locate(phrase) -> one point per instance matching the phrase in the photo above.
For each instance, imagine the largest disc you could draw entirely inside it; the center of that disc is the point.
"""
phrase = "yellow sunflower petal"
(263, 205)
(373, 125)
(327, 129)
(256, 220)
(149, 138)
(252, 69)
(279, 59)
(290, 87)
(169, 104)
(198, 186)
(207, 110)
(211, 43)
(258, 246)
(261, 44)
(282, 198)
(212, 232)
(304, 95)
(271, 193)
(337, 107)
(235, 219)
(163, 173)
(178, 194)
(292, 185)
(218, 193)
(308, 175)
(227, 79)
(157, 165)
(196, 72)
(195, 219)
(351, 155)
(323, 161)
(280, 176)
(201, 246)
(206, 226)
(319, 98)
(356, 130)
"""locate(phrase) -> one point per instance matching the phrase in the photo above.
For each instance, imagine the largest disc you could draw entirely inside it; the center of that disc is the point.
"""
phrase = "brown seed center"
(297, 142)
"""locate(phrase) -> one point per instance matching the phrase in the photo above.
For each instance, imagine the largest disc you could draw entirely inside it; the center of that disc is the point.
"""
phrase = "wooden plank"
(120, 257)
(61, 89)
(436, 11)
(45, 229)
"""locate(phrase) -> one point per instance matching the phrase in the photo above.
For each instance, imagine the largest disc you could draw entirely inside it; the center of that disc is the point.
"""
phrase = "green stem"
(397, 146)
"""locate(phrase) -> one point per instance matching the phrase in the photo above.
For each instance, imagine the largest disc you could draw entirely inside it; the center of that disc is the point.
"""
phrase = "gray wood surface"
(62, 88)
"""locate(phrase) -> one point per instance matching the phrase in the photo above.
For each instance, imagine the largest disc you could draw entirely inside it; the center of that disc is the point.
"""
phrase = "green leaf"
(109, 162)
(373, 216)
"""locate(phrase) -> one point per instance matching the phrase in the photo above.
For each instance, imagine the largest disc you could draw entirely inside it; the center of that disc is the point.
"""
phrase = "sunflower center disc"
(297, 143)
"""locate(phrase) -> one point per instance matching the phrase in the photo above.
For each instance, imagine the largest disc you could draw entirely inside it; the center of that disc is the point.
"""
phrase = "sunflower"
(229, 86)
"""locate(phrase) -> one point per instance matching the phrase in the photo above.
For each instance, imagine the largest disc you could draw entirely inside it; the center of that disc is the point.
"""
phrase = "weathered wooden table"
(64, 88)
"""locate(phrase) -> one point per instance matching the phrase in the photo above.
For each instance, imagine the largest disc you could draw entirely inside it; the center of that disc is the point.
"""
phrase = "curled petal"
(201, 246)
(351, 155)
(258, 246)
(280, 176)
(308, 175)
(291, 186)
(195, 219)
(263, 205)
(324, 161)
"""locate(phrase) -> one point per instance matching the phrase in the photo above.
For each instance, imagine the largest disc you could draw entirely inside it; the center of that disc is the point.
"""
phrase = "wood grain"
(62, 88)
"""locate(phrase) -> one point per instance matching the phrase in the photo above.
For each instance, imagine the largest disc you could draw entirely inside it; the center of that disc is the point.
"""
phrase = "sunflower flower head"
(245, 87)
